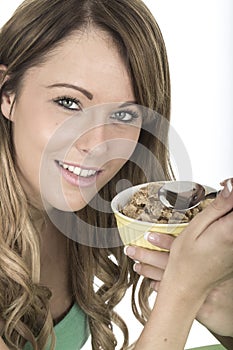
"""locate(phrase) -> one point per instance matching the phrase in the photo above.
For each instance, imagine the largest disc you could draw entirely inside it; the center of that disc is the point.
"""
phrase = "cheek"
(123, 146)
(113, 168)
(31, 134)
(122, 150)
(32, 130)
(29, 144)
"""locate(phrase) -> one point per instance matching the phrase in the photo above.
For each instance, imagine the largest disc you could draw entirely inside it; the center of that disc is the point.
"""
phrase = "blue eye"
(125, 116)
(69, 103)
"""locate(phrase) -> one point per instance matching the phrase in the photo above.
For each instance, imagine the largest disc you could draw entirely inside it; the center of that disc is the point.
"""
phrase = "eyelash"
(134, 115)
(61, 99)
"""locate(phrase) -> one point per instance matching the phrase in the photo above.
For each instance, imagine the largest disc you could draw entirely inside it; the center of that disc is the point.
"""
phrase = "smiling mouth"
(76, 170)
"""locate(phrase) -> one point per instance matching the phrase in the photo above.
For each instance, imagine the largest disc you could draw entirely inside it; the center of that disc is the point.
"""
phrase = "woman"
(59, 60)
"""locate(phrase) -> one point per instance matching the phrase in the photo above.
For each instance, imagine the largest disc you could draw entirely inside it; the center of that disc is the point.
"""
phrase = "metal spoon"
(183, 195)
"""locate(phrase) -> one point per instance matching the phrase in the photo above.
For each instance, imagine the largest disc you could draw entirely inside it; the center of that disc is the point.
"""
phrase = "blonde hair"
(35, 29)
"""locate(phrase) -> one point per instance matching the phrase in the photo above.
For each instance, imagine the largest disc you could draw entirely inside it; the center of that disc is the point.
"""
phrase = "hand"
(202, 256)
(217, 311)
(151, 263)
(215, 218)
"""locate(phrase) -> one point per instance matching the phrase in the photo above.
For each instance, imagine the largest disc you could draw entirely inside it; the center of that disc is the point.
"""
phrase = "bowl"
(132, 231)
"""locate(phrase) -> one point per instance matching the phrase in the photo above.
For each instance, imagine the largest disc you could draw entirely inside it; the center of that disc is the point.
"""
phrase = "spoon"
(183, 195)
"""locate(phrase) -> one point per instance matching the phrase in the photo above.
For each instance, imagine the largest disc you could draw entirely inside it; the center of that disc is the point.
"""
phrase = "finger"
(222, 231)
(215, 210)
(222, 183)
(160, 240)
(147, 256)
(148, 271)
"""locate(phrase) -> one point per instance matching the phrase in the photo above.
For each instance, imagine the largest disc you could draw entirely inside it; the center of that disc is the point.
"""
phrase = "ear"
(7, 99)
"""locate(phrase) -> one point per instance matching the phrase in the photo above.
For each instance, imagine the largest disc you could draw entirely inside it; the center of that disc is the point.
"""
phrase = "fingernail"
(146, 235)
(129, 250)
(151, 237)
(137, 267)
(228, 186)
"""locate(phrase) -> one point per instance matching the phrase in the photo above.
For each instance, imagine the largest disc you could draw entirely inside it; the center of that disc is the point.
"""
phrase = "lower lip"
(78, 181)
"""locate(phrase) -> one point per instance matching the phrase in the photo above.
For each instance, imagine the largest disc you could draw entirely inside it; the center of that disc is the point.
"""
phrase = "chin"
(69, 199)
(67, 203)
(69, 206)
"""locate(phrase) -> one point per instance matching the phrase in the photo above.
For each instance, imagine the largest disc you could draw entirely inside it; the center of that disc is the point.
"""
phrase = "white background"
(198, 36)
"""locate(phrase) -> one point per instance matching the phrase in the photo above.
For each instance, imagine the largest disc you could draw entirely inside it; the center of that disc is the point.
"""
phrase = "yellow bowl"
(132, 231)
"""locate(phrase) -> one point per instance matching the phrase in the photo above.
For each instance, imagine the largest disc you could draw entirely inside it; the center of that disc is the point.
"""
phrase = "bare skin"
(3, 345)
(55, 272)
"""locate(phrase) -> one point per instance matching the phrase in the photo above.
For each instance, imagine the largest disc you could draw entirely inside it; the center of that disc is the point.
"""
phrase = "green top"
(71, 332)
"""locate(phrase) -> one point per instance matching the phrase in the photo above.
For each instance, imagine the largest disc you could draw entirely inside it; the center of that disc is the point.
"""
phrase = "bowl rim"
(133, 190)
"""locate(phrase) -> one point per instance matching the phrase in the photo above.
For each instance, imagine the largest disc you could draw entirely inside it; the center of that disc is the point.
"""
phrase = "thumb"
(222, 205)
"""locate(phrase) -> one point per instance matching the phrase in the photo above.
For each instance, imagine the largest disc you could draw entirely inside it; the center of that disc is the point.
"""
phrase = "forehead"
(89, 59)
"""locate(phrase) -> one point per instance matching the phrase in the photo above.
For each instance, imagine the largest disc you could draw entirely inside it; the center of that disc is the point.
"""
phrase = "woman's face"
(75, 122)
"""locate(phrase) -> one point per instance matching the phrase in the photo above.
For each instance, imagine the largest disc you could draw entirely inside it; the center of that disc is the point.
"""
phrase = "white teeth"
(84, 173)
(78, 171)
(71, 168)
(92, 172)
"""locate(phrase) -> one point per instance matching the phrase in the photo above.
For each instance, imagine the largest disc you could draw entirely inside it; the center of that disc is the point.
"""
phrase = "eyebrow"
(74, 87)
(127, 103)
(88, 94)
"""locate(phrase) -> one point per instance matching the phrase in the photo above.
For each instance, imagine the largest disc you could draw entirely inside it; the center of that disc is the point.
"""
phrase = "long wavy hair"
(36, 28)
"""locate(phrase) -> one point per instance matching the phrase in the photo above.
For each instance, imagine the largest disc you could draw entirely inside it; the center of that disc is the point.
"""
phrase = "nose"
(94, 142)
